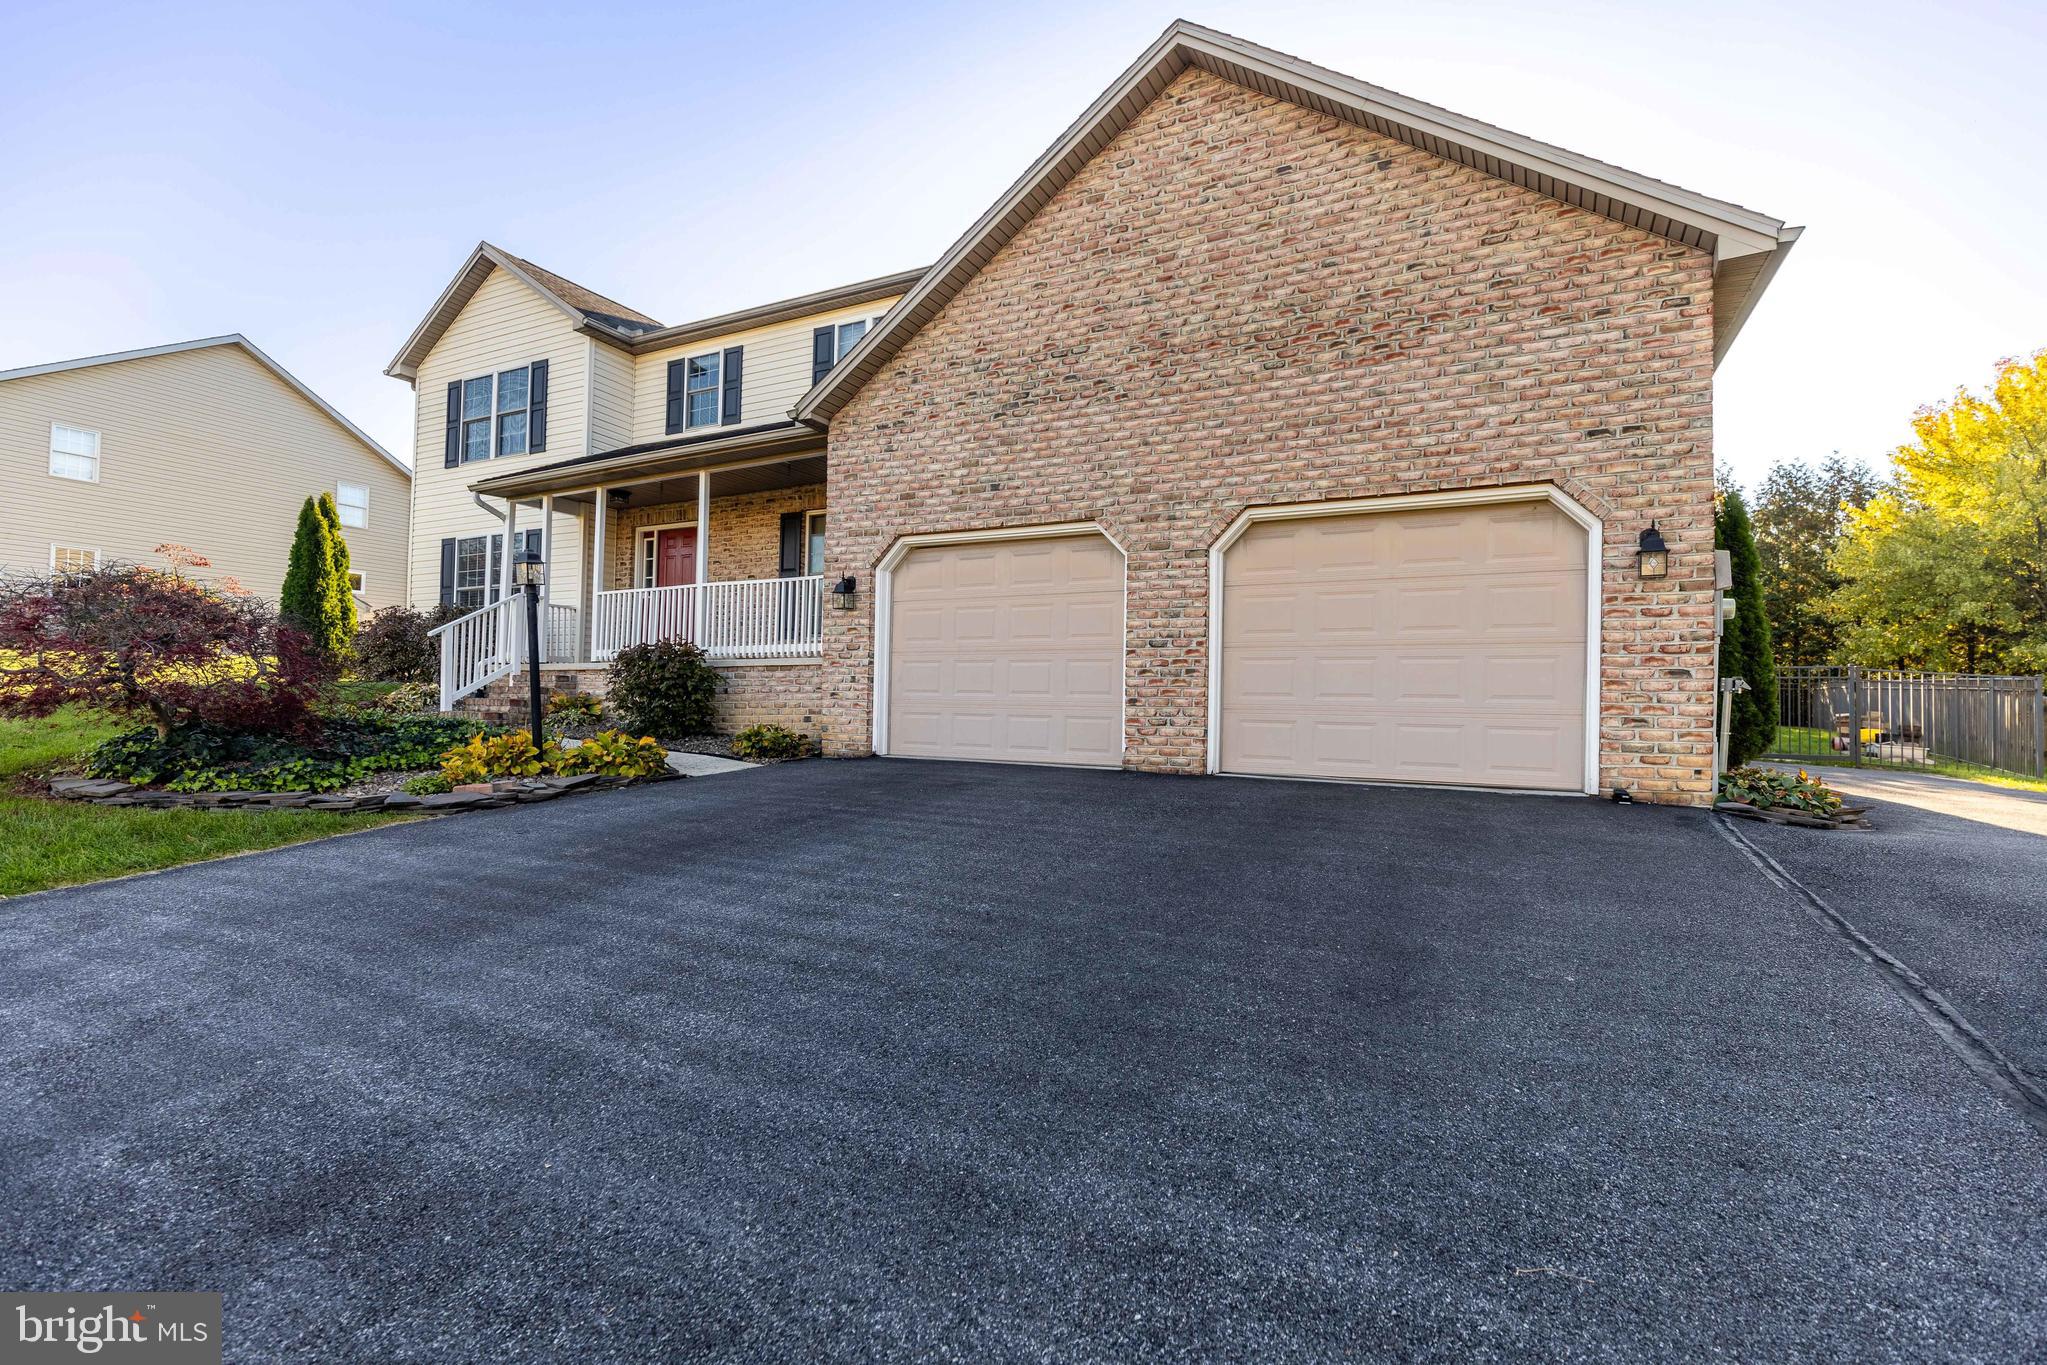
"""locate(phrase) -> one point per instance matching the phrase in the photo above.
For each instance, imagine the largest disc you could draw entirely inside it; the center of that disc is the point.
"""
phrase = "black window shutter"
(452, 456)
(675, 373)
(734, 366)
(822, 354)
(792, 544)
(536, 407)
(447, 570)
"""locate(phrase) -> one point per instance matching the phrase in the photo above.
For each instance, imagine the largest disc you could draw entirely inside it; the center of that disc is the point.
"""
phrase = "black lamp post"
(526, 568)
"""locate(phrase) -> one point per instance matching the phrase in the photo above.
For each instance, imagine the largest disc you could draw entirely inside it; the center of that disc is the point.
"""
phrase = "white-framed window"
(496, 410)
(849, 336)
(813, 542)
(356, 581)
(700, 391)
(74, 453)
(352, 500)
(477, 567)
(72, 559)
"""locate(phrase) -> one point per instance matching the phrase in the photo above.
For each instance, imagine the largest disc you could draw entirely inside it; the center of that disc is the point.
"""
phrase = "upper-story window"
(352, 500)
(829, 344)
(74, 453)
(498, 414)
(702, 390)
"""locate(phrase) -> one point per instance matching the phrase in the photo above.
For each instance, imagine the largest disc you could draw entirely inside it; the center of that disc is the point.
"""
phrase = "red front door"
(675, 557)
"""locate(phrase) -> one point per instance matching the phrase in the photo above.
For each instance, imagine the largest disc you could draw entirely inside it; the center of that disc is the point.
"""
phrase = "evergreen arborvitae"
(303, 602)
(1745, 649)
(342, 599)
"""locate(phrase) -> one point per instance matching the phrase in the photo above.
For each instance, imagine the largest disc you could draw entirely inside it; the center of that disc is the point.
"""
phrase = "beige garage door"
(1009, 651)
(1422, 646)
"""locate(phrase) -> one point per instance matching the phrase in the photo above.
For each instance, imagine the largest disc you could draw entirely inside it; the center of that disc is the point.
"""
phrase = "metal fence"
(1885, 718)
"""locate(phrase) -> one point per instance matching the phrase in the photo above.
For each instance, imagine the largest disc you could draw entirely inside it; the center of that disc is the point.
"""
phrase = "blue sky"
(311, 176)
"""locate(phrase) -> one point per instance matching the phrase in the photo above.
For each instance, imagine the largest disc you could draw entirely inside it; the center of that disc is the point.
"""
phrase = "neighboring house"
(208, 444)
(1271, 423)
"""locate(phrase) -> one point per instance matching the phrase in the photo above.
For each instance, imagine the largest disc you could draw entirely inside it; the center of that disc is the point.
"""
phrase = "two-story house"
(207, 444)
(1270, 423)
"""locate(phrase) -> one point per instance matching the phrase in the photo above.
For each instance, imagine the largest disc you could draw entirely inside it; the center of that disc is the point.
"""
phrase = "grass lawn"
(46, 843)
(1814, 749)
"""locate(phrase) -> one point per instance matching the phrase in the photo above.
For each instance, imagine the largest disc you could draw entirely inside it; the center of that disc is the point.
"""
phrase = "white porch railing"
(490, 642)
(755, 618)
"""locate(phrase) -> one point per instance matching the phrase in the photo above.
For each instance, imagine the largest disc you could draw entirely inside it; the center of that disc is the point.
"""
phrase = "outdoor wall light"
(1652, 556)
(845, 594)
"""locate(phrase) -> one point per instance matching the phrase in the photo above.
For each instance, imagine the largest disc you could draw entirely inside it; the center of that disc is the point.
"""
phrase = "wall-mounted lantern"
(1652, 556)
(845, 594)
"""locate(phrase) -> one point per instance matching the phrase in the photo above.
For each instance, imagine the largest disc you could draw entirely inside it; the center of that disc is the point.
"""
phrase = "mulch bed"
(516, 791)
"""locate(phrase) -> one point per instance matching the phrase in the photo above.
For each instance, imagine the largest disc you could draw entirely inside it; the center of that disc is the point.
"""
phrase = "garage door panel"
(1009, 652)
(1441, 646)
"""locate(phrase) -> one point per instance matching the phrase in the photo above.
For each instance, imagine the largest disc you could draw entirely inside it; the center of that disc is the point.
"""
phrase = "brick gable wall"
(1242, 302)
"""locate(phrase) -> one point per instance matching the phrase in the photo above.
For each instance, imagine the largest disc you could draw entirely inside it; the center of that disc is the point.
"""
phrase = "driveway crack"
(2008, 1079)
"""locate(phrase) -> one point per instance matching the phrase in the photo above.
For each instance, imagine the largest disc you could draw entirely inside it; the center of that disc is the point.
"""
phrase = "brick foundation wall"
(1242, 302)
(746, 532)
(788, 695)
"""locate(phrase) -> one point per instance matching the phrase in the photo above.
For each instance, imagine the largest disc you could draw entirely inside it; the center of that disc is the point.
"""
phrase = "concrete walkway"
(2005, 807)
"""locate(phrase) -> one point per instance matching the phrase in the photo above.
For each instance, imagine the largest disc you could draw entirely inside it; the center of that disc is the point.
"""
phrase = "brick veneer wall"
(1242, 302)
(746, 531)
(785, 694)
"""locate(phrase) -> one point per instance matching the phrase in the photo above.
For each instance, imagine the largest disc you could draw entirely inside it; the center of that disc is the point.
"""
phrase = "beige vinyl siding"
(504, 326)
(611, 410)
(777, 370)
(206, 448)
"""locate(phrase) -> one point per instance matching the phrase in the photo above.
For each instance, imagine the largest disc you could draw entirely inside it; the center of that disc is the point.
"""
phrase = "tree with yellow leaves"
(1947, 568)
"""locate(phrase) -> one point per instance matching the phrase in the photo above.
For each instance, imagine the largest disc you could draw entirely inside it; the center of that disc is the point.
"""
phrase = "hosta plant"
(487, 757)
(613, 753)
(1770, 789)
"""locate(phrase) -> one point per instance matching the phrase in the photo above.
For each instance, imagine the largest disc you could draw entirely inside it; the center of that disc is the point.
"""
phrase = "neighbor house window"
(701, 390)
(353, 502)
(68, 559)
(356, 580)
(74, 453)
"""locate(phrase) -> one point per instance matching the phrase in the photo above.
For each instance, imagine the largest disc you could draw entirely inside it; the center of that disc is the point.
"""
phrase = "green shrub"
(1767, 788)
(429, 784)
(352, 744)
(408, 699)
(575, 706)
(664, 689)
(393, 645)
(769, 742)
(613, 753)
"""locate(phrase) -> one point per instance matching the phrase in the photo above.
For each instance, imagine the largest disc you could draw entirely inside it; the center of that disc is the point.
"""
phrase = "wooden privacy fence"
(1894, 718)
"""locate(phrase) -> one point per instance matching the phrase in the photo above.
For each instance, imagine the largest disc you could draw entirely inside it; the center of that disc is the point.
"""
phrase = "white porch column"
(596, 562)
(703, 553)
(505, 557)
(546, 571)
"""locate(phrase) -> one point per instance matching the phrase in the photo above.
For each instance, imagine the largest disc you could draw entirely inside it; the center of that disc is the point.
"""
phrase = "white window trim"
(496, 418)
(884, 589)
(341, 505)
(841, 352)
(54, 547)
(808, 567)
(717, 390)
(361, 583)
(1400, 502)
(93, 432)
(643, 534)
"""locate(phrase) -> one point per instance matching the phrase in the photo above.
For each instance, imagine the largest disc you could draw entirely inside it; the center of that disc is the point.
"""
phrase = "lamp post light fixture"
(1652, 556)
(527, 570)
(845, 593)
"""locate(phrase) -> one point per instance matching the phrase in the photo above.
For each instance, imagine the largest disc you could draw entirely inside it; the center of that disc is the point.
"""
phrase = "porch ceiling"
(677, 458)
(794, 472)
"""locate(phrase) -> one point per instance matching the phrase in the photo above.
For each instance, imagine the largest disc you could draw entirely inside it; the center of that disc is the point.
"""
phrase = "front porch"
(662, 544)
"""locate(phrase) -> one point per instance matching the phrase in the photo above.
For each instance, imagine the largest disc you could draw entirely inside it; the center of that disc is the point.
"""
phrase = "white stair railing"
(756, 618)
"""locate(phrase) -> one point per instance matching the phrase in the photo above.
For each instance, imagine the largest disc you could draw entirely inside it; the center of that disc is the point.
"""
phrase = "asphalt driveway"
(886, 1060)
